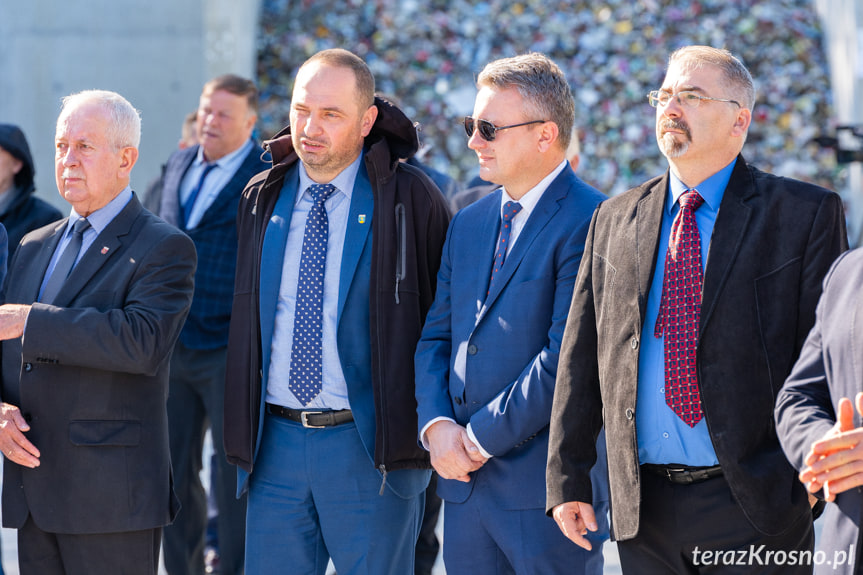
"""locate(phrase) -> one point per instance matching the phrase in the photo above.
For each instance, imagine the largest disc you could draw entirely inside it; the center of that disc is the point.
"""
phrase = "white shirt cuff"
(476, 442)
(425, 428)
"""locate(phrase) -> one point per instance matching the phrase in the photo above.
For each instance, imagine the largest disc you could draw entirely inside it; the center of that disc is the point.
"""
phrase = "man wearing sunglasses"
(695, 295)
(486, 362)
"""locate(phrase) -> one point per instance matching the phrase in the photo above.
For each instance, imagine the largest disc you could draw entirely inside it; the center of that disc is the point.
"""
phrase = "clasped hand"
(835, 462)
(453, 454)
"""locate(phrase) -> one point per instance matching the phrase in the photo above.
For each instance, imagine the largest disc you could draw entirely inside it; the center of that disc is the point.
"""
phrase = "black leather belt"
(311, 419)
(683, 475)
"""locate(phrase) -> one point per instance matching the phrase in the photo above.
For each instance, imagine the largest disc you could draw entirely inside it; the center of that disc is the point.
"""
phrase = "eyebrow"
(686, 89)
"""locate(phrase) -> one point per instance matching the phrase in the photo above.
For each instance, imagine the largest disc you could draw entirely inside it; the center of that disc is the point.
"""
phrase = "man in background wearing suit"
(339, 249)
(815, 417)
(94, 305)
(201, 189)
(487, 359)
(693, 299)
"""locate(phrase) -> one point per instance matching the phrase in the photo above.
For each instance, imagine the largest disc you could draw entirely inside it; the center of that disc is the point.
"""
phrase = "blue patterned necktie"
(306, 378)
(510, 209)
(680, 311)
(193, 196)
(66, 262)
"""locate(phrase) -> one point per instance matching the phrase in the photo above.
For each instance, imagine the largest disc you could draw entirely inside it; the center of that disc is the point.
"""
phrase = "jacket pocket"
(105, 432)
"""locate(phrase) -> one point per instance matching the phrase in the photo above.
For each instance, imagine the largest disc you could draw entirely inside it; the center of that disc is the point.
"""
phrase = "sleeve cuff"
(476, 442)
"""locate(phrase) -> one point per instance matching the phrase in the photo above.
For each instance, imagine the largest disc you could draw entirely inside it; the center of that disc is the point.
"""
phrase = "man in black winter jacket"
(20, 210)
(339, 247)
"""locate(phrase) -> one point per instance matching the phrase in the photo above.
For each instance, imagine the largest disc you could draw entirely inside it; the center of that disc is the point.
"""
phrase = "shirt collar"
(100, 219)
(712, 189)
(344, 182)
(227, 159)
(531, 198)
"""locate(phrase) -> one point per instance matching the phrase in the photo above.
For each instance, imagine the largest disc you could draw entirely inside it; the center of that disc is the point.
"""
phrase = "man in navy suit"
(94, 304)
(200, 192)
(815, 419)
(340, 244)
(487, 359)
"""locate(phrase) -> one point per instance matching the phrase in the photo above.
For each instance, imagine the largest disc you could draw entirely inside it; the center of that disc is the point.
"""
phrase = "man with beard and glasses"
(693, 299)
(339, 248)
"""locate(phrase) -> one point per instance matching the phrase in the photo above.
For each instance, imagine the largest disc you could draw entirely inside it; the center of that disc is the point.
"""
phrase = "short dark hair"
(236, 85)
(340, 58)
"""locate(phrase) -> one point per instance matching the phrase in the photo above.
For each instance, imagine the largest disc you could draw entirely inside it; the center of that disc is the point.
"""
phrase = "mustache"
(680, 125)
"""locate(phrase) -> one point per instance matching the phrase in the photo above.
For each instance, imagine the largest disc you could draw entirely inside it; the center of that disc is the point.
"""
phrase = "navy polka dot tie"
(510, 209)
(680, 310)
(306, 376)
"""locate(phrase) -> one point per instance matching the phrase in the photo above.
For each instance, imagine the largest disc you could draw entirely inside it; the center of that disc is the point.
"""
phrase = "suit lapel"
(273, 257)
(169, 207)
(106, 244)
(28, 289)
(728, 235)
(357, 233)
(232, 190)
(546, 208)
(487, 244)
(648, 228)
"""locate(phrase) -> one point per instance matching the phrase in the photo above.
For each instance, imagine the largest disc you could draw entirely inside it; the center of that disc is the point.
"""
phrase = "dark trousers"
(196, 401)
(700, 528)
(128, 553)
(428, 545)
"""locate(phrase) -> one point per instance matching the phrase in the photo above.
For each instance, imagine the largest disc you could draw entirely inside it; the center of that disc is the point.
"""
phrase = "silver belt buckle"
(304, 419)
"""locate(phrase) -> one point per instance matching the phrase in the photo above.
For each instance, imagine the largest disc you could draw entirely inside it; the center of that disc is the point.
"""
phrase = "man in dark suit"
(685, 321)
(815, 419)
(94, 304)
(200, 191)
(487, 359)
(339, 249)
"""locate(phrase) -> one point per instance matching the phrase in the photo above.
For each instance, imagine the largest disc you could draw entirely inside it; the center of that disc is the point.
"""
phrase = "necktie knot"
(81, 226)
(510, 210)
(321, 192)
(691, 200)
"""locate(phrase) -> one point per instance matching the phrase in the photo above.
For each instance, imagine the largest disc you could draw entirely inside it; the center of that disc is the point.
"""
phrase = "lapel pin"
(104, 250)
(361, 218)
(131, 260)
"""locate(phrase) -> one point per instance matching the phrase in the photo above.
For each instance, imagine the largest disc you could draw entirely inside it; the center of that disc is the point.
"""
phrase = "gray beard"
(672, 148)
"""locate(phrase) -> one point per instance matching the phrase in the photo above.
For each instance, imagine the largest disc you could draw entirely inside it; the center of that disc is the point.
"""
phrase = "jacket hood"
(391, 125)
(13, 141)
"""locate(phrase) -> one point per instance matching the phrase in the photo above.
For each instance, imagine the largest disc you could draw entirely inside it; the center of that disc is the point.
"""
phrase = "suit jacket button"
(629, 413)
(28, 367)
(458, 400)
(634, 343)
(471, 349)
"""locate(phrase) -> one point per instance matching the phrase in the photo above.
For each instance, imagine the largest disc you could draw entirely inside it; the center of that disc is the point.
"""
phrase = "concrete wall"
(157, 54)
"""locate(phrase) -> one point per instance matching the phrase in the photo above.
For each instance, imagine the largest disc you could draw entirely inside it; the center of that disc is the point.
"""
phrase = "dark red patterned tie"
(680, 309)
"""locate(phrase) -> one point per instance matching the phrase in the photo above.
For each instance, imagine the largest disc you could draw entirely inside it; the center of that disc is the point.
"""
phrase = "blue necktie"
(510, 209)
(190, 202)
(66, 262)
(306, 378)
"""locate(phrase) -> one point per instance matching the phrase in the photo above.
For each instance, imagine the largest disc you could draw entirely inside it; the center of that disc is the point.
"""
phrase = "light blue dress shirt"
(99, 220)
(218, 178)
(334, 394)
(663, 437)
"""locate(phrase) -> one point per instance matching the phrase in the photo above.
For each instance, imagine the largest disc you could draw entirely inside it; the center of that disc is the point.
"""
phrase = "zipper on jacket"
(401, 247)
(383, 469)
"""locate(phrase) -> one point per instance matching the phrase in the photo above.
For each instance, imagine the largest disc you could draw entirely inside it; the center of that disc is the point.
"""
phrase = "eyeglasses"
(487, 130)
(687, 99)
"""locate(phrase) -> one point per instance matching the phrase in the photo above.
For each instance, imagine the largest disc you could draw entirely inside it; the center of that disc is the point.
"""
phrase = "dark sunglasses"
(487, 130)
